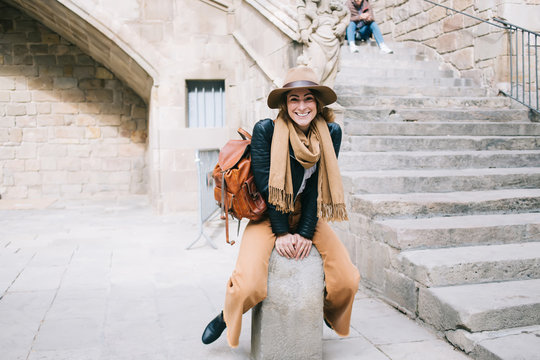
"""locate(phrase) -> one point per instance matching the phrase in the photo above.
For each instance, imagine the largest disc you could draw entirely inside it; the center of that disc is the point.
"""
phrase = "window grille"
(206, 103)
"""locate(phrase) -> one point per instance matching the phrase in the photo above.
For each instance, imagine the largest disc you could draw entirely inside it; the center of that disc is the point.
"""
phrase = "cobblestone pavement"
(111, 280)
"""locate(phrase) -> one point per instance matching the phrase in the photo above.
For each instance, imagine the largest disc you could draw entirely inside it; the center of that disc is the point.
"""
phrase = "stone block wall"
(68, 127)
(474, 49)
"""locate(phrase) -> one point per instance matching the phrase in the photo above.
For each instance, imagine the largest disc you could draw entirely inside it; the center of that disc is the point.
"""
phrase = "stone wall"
(68, 127)
(154, 46)
(472, 48)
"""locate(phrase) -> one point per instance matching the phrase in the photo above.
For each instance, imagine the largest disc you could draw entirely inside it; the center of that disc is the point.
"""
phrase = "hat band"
(300, 83)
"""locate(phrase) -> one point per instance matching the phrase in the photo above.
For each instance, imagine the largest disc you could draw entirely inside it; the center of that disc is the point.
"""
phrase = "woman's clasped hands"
(293, 246)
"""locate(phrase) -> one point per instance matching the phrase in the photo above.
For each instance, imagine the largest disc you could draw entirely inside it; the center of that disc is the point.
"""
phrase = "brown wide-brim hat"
(301, 77)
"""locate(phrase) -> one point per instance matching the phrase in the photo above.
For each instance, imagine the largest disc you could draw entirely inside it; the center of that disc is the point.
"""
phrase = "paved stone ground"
(111, 280)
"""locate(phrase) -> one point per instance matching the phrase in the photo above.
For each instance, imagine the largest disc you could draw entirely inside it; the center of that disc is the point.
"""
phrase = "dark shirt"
(261, 143)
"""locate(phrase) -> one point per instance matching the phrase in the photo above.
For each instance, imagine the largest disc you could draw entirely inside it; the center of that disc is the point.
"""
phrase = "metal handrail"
(507, 24)
(529, 49)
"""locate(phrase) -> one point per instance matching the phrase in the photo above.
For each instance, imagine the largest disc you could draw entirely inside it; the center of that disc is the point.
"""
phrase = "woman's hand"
(286, 245)
(303, 247)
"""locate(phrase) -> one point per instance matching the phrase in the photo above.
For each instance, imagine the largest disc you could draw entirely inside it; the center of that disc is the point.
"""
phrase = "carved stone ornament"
(322, 25)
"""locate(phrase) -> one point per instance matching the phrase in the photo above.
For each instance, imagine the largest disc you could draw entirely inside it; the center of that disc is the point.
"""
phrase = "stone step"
(353, 74)
(354, 66)
(392, 160)
(513, 343)
(448, 231)
(481, 307)
(370, 49)
(421, 205)
(386, 89)
(472, 264)
(370, 56)
(425, 101)
(432, 78)
(422, 143)
(485, 128)
(437, 114)
(364, 62)
(441, 180)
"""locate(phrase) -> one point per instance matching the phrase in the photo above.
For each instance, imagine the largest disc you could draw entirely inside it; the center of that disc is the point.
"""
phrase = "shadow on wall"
(68, 127)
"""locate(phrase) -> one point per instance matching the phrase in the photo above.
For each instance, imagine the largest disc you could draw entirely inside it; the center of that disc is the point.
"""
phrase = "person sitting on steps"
(362, 20)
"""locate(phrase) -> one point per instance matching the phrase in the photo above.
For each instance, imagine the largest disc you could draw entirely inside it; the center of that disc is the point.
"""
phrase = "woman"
(294, 162)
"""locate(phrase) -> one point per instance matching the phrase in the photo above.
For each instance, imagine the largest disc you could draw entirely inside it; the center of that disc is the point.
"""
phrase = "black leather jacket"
(261, 143)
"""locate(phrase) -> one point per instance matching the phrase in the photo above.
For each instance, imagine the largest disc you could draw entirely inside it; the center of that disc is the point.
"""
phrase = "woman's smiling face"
(302, 107)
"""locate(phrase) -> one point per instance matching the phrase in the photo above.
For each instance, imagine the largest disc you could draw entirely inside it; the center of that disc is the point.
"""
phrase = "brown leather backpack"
(234, 187)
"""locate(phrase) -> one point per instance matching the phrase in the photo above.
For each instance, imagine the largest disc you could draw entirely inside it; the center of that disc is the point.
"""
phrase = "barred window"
(206, 103)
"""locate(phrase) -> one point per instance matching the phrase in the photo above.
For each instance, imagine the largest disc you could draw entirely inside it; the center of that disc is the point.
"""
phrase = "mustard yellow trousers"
(247, 284)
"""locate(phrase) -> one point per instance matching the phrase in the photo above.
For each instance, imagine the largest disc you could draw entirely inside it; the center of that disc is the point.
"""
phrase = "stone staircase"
(443, 184)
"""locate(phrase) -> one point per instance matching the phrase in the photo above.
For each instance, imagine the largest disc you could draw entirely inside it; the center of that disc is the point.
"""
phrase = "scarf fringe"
(332, 212)
(281, 200)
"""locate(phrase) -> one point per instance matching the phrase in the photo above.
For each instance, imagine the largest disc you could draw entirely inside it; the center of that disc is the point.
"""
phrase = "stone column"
(288, 323)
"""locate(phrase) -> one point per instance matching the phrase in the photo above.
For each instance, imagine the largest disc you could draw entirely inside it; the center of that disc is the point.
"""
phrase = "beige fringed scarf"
(317, 145)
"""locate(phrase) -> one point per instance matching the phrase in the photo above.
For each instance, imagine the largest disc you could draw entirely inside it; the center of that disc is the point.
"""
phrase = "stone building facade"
(94, 94)
(94, 97)
(69, 127)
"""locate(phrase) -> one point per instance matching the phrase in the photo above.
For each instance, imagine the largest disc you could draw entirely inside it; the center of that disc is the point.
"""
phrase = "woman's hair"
(325, 112)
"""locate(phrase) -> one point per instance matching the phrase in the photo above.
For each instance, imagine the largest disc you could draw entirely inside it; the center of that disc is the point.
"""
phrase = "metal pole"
(523, 66)
(529, 65)
(536, 67)
(517, 65)
(511, 67)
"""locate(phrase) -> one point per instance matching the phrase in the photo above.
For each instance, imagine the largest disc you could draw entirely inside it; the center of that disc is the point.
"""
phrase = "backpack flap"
(231, 153)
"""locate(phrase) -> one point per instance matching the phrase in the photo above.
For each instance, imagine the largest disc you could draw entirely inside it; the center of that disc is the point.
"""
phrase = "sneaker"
(352, 47)
(385, 49)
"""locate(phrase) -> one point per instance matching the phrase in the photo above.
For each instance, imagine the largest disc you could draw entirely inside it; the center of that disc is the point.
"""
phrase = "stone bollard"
(288, 324)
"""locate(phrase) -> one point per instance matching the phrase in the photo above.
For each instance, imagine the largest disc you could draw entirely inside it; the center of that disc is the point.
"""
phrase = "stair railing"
(523, 60)
(525, 91)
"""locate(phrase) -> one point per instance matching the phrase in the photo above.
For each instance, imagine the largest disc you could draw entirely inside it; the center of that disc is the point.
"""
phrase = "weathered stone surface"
(472, 264)
(405, 202)
(423, 350)
(437, 159)
(56, 96)
(372, 257)
(444, 180)
(421, 205)
(438, 232)
(480, 307)
(515, 343)
(402, 290)
(288, 323)
(438, 128)
(463, 59)
(422, 143)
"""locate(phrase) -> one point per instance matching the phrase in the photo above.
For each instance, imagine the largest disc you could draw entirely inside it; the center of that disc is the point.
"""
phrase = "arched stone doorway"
(69, 126)
(90, 34)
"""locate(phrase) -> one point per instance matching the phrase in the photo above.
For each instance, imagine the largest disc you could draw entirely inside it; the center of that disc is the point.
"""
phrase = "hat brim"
(324, 94)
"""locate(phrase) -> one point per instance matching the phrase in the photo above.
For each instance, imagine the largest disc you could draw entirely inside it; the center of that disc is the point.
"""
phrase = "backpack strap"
(244, 134)
(225, 208)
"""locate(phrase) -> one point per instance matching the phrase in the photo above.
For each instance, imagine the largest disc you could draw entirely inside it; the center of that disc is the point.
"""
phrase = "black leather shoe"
(214, 329)
(327, 323)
